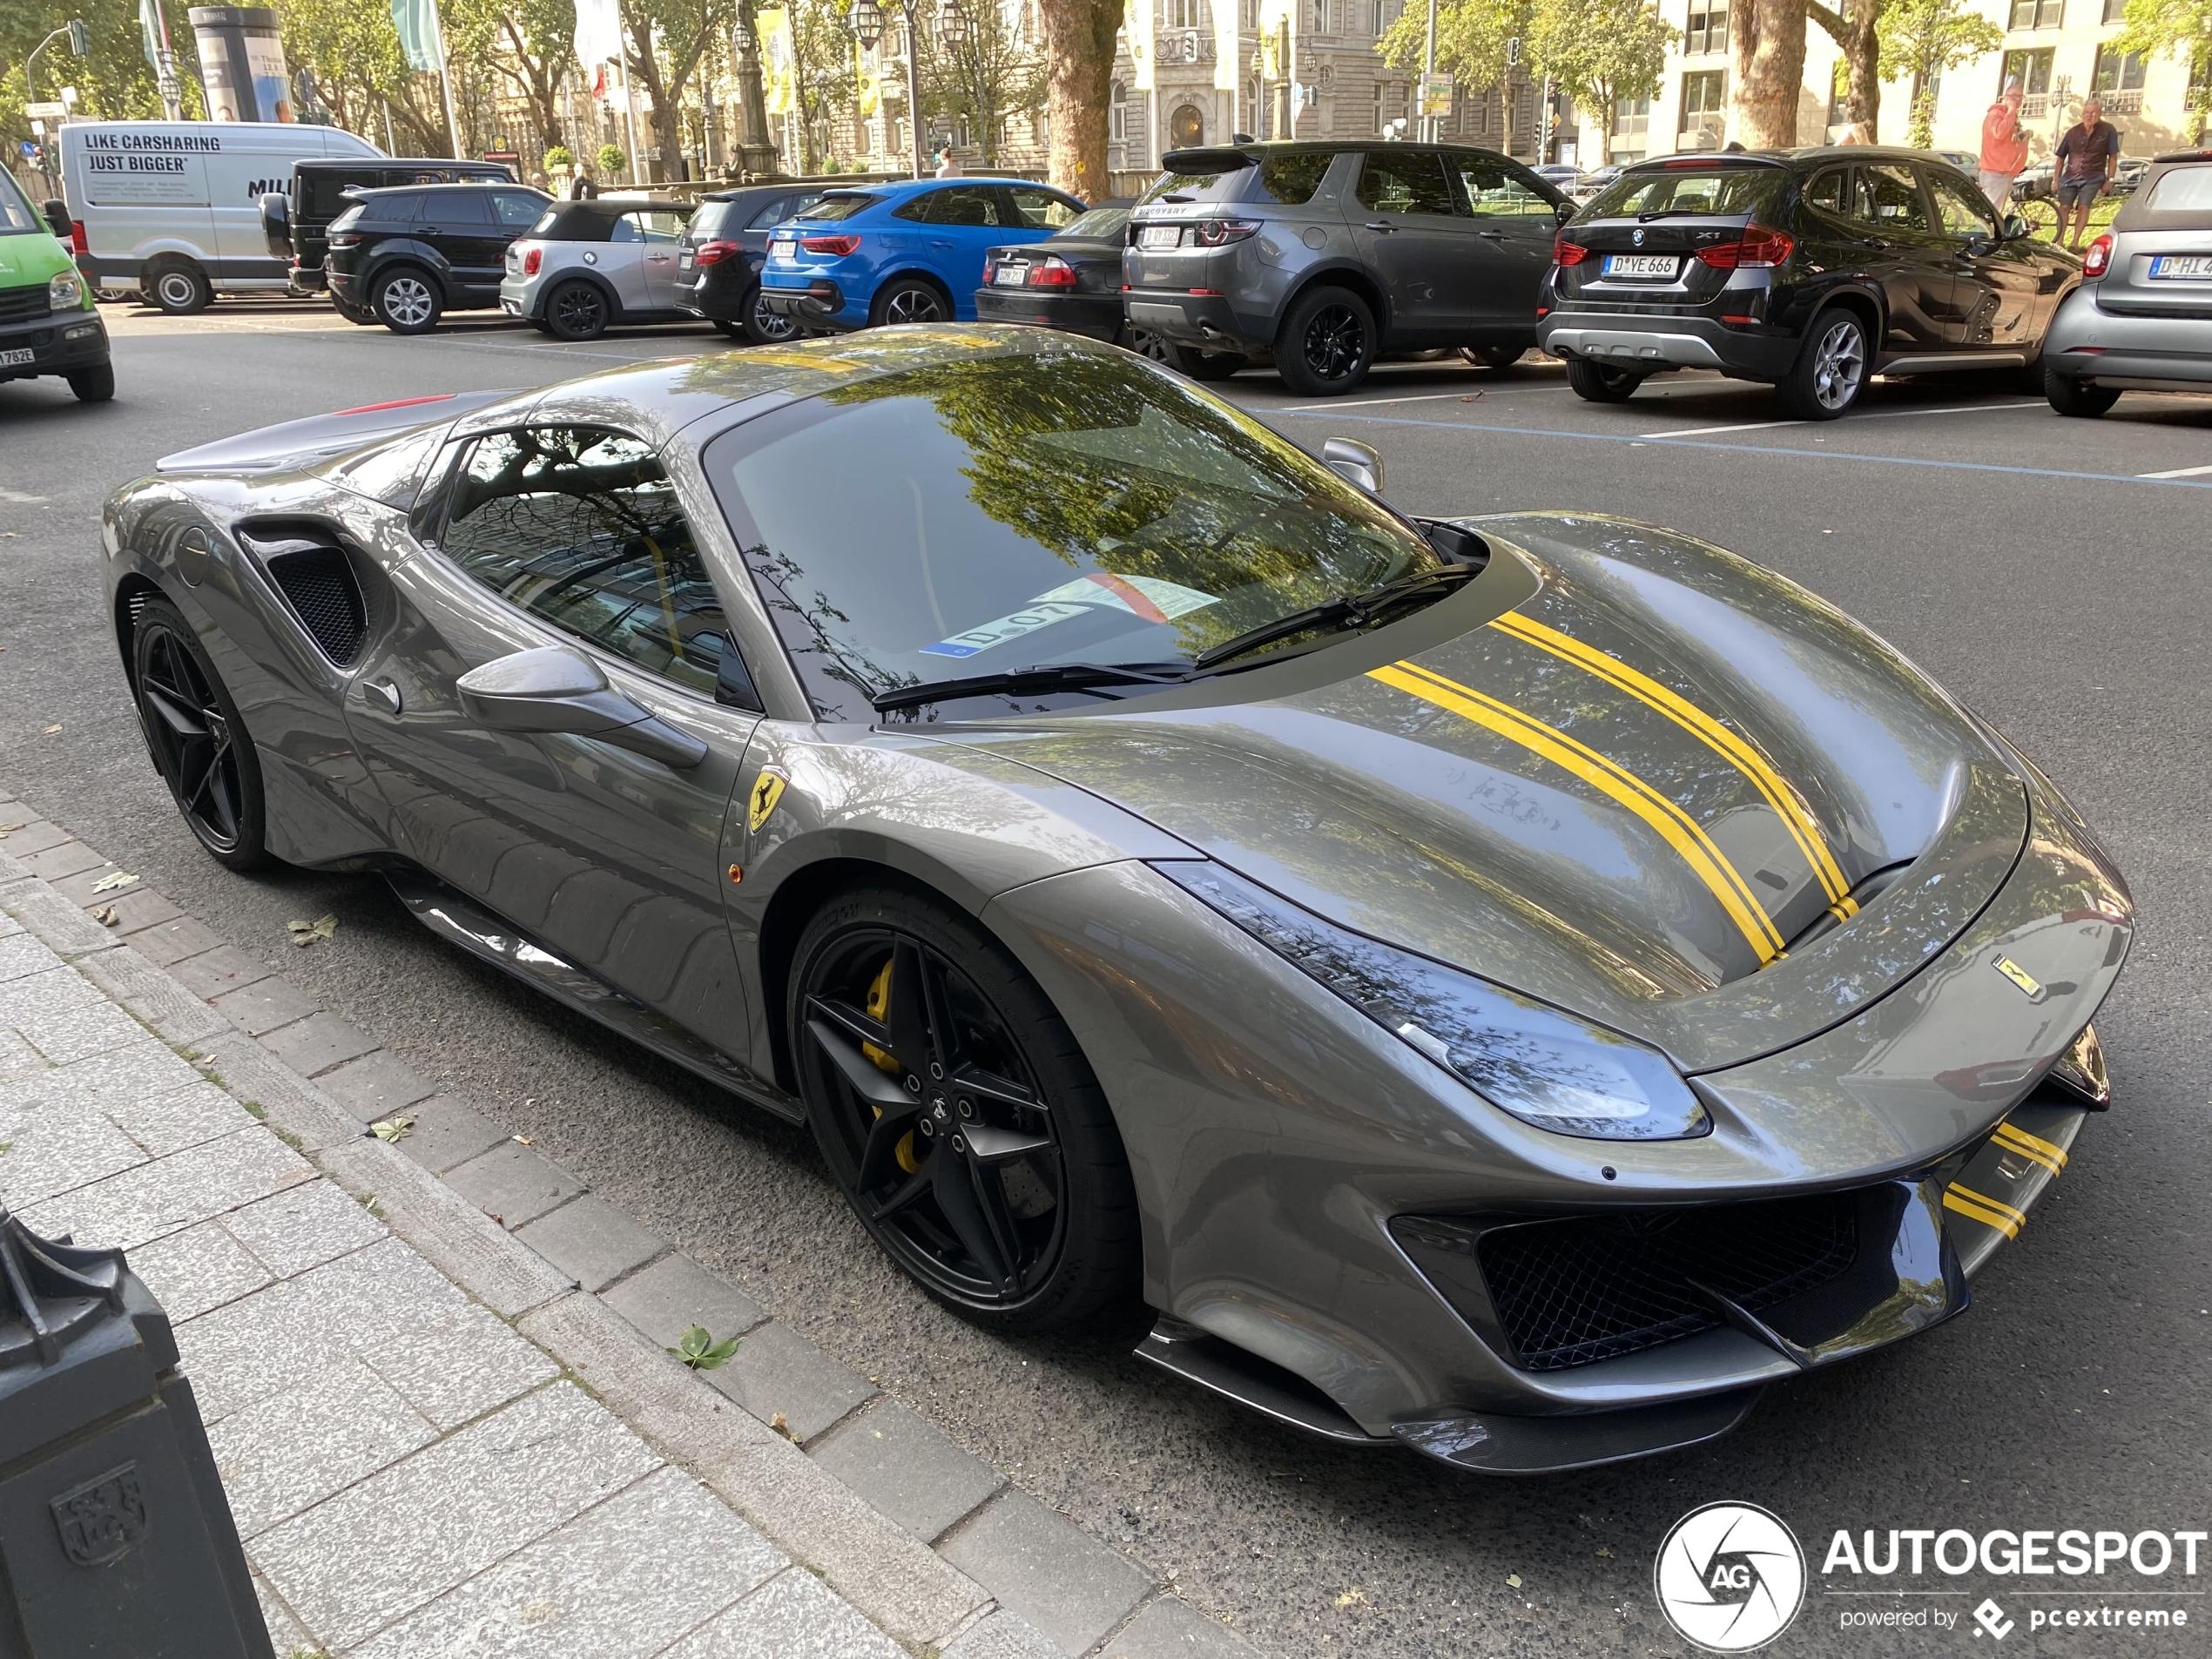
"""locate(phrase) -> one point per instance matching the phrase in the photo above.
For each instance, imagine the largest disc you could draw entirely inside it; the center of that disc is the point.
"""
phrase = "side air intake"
(315, 577)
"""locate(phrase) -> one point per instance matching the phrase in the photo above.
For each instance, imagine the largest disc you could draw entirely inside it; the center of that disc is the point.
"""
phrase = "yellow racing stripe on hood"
(1680, 831)
(1789, 805)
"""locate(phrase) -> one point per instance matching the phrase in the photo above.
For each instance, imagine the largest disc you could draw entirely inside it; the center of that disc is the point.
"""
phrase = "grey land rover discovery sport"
(1325, 255)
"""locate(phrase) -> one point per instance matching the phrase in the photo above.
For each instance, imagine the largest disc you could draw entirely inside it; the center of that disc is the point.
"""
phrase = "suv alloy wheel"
(1831, 371)
(407, 301)
(1327, 343)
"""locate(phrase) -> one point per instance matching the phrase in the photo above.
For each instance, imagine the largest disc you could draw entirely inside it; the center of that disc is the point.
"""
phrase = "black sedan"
(1071, 280)
(718, 261)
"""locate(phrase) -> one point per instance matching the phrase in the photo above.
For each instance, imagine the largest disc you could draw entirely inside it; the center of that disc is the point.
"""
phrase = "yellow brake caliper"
(880, 1009)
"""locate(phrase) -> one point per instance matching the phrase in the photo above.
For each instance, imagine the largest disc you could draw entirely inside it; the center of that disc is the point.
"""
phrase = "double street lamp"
(955, 29)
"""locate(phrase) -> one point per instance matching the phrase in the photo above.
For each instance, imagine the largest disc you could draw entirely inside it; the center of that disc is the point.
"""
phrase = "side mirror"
(1352, 460)
(2015, 227)
(56, 212)
(556, 689)
(1565, 210)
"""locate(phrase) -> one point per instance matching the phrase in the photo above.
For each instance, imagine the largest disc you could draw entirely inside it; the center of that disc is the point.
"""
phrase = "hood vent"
(317, 579)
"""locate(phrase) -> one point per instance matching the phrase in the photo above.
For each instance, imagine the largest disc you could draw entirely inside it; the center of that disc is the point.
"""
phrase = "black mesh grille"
(1595, 1287)
(21, 305)
(320, 585)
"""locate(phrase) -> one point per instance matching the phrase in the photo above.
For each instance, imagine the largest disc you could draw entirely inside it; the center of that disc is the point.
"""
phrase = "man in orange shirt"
(2003, 147)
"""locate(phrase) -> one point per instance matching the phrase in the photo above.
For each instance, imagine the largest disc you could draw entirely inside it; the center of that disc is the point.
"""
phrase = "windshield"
(1288, 180)
(17, 214)
(836, 207)
(1100, 224)
(1059, 505)
(2185, 190)
(1721, 192)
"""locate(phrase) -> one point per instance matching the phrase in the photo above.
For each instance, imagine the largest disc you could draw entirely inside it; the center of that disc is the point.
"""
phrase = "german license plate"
(21, 359)
(1010, 276)
(784, 249)
(2182, 266)
(684, 260)
(1641, 264)
(1160, 236)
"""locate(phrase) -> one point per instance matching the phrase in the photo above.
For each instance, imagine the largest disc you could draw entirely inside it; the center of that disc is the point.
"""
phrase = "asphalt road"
(2020, 557)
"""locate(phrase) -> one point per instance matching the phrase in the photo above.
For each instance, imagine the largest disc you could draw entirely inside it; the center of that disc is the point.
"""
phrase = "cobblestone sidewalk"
(435, 1372)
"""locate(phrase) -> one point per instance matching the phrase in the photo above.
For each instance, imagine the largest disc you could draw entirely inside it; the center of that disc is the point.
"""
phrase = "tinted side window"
(459, 207)
(394, 209)
(1498, 190)
(1831, 193)
(579, 527)
(516, 212)
(1039, 210)
(772, 212)
(626, 229)
(1890, 197)
(969, 205)
(1291, 180)
(1964, 212)
(1411, 182)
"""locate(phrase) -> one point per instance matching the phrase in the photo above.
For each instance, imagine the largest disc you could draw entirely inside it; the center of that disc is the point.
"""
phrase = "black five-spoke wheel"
(956, 1116)
(197, 741)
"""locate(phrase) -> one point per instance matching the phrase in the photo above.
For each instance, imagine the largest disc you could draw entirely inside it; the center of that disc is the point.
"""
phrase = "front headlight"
(1531, 1061)
(65, 292)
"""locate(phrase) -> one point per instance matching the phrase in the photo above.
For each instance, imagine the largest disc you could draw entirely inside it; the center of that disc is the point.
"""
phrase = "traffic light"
(80, 37)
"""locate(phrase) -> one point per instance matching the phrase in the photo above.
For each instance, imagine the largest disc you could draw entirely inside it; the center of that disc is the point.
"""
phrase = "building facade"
(2059, 49)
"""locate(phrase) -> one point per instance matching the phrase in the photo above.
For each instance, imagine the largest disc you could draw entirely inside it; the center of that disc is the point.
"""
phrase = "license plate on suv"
(785, 248)
(1641, 264)
(2182, 267)
(684, 260)
(1160, 236)
(21, 359)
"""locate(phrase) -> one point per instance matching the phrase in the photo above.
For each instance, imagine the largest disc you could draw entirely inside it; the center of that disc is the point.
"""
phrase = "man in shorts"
(2086, 159)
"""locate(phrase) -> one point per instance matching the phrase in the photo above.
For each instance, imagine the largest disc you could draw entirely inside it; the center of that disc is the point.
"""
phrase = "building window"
(1704, 107)
(2118, 71)
(2116, 10)
(1118, 116)
(1183, 14)
(2038, 14)
(1379, 116)
(2033, 68)
(1631, 122)
(1381, 15)
(1320, 17)
(1708, 27)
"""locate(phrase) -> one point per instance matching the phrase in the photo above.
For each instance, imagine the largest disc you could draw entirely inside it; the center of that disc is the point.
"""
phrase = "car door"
(1904, 252)
(458, 224)
(1514, 221)
(1426, 252)
(662, 232)
(1997, 285)
(567, 535)
(622, 262)
(963, 221)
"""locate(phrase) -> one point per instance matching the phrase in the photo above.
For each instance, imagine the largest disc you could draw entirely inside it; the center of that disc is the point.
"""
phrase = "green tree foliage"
(1856, 26)
(993, 74)
(825, 73)
(611, 161)
(525, 47)
(1471, 38)
(115, 82)
(1921, 38)
(2182, 27)
(1601, 51)
(354, 52)
(668, 40)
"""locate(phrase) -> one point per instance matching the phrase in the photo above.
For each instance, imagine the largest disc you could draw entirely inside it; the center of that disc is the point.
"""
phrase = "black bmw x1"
(1812, 270)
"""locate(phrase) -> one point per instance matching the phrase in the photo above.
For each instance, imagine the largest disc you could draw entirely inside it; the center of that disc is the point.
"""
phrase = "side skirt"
(487, 937)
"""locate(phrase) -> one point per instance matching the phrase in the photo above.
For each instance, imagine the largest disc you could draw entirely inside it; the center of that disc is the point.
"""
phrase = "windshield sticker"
(1141, 596)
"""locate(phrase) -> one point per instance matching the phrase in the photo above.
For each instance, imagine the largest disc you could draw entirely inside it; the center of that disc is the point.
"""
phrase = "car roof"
(386, 164)
(761, 192)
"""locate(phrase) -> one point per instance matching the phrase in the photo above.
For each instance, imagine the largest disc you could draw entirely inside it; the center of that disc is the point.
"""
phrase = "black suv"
(718, 261)
(1811, 270)
(404, 258)
(296, 220)
(1326, 254)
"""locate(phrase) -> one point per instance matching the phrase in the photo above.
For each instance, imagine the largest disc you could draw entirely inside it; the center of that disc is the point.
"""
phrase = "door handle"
(937, 244)
(1379, 225)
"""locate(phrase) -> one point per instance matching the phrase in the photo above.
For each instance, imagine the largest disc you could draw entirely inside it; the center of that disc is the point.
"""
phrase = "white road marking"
(1482, 391)
(1702, 431)
(17, 498)
(2178, 472)
(1872, 414)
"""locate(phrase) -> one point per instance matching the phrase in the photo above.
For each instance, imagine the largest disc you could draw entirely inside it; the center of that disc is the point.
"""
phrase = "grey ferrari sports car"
(1510, 987)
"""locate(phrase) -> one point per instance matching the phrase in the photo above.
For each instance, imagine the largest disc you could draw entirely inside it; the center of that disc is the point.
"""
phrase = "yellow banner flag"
(777, 82)
(1136, 22)
(867, 83)
(1228, 50)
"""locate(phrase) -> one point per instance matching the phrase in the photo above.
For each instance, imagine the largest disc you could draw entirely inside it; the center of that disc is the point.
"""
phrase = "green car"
(47, 323)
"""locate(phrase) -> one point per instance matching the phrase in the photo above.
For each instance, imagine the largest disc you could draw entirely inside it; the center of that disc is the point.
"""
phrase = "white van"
(172, 208)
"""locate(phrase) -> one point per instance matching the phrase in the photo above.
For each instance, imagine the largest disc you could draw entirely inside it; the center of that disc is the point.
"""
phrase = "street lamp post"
(867, 19)
(957, 30)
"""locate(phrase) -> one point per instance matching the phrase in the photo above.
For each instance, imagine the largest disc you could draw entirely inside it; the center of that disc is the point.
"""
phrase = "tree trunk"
(1853, 29)
(1079, 78)
(1770, 71)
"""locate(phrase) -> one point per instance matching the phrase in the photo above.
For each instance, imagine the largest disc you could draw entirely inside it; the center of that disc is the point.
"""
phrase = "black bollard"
(116, 1541)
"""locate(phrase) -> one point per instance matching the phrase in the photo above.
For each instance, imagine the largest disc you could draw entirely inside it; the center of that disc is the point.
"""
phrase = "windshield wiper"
(1030, 681)
(1678, 212)
(1346, 611)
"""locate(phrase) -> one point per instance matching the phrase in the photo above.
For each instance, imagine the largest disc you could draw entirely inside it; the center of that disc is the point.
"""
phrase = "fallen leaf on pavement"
(109, 883)
(698, 1349)
(6, 830)
(526, 1140)
(783, 1428)
(1353, 1597)
(107, 915)
(306, 933)
(53, 728)
(1514, 1579)
(1603, 1551)
(393, 1129)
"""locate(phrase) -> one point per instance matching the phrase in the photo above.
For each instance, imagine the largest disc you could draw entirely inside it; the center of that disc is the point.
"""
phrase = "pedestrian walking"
(946, 167)
(2086, 159)
(2004, 145)
(582, 187)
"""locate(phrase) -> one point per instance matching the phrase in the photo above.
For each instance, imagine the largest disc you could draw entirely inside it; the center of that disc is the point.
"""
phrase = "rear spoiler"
(1206, 160)
(1704, 159)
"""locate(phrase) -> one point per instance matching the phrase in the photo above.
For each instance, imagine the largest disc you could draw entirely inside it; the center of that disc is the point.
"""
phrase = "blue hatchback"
(910, 251)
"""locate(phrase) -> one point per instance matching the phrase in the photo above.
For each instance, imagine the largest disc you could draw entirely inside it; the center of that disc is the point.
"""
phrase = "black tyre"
(354, 315)
(93, 385)
(577, 310)
(909, 299)
(729, 330)
(1494, 356)
(767, 328)
(957, 1114)
(1213, 365)
(200, 744)
(2076, 397)
(1327, 343)
(407, 301)
(1830, 370)
(179, 287)
(1596, 383)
